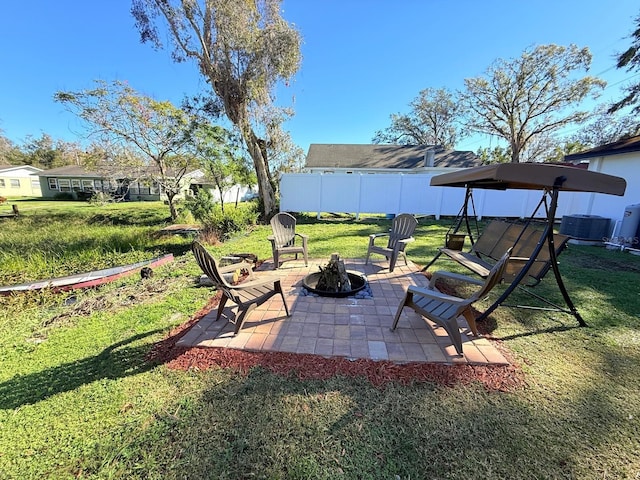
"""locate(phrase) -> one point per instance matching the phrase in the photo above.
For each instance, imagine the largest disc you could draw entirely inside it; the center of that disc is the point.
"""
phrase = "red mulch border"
(503, 378)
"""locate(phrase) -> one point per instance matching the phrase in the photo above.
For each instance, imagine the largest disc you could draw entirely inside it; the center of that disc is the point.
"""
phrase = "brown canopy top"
(532, 176)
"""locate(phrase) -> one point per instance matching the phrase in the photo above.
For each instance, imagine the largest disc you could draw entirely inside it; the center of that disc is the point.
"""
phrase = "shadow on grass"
(116, 361)
(280, 427)
(556, 329)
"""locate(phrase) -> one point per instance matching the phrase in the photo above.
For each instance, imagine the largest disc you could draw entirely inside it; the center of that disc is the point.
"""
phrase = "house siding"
(19, 182)
(627, 166)
(52, 185)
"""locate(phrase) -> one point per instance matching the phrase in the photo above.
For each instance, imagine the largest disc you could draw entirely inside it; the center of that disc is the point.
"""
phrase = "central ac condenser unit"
(591, 228)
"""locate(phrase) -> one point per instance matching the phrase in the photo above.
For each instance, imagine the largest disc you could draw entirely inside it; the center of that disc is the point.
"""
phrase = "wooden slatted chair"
(399, 236)
(283, 240)
(246, 295)
(443, 309)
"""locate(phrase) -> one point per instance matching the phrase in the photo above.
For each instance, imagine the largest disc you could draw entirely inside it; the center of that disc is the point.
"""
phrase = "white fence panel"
(300, 192)
(340, 193)
(379, 193)
(418, 196)
(412, 193)
(449, 200)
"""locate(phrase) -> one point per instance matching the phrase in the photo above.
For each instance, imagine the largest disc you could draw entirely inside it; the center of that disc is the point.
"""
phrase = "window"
(144, 187)
(53, 183)
(64, 184)
(2, 184)
(35, 184)
(14, 182)
(87, 185)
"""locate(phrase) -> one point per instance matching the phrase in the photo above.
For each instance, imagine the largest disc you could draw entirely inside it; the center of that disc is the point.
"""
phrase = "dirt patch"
(124, 296)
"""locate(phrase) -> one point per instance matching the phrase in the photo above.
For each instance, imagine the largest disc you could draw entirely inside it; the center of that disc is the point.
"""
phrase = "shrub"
(101, 198)
(64, 196)
(223, 225)
(201, 205)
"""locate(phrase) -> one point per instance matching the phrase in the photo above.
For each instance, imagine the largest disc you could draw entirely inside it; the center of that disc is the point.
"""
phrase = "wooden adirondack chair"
(444, 309)
(400, 234)
(283, 240)
(246, 295)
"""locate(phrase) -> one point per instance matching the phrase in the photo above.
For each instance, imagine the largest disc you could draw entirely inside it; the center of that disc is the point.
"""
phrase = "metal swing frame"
(551, 179)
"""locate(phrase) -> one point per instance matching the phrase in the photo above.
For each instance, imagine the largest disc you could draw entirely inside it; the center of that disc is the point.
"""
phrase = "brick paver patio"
(345, 327)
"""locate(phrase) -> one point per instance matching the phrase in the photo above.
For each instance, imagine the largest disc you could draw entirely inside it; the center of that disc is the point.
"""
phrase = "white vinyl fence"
(412, 193)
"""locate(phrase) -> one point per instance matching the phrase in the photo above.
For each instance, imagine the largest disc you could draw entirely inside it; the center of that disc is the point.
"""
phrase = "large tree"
(45, 152)
(141, 136)
(243, 49)
(606, 126)
(531, 96)
(434, 119)
(10, 154)
(630, 60)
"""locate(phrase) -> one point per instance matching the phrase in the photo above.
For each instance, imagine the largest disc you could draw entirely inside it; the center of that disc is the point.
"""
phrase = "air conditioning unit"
(591, 228)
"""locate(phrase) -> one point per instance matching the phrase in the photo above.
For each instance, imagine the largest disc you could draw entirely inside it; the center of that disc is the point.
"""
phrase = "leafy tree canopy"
(155, 133)
(433, 120)
(533, 96)
(243, 49)
(605, 127)
(630, 60)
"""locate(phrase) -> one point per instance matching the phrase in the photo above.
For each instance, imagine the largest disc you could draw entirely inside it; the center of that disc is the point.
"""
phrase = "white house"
(622, 159)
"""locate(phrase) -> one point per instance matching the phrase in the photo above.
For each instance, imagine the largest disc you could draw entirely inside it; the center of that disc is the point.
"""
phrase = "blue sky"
(362, 59)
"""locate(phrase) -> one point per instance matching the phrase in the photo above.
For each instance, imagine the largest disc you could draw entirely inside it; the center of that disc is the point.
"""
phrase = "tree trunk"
(172, 207)
(515, 152)
(221, 193)
(265, 189)
(237, 113)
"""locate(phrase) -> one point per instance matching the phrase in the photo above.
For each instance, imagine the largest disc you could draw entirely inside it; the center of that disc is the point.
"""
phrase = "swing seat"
(498, 237)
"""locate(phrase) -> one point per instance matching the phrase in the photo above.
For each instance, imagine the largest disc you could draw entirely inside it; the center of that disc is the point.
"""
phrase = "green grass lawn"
(79, 400)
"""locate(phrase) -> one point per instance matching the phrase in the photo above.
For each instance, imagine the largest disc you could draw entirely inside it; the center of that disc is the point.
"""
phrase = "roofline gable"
(627, 145)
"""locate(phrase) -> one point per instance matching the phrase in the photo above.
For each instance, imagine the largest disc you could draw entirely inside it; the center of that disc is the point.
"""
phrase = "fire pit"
(334, 280)
(358, 282)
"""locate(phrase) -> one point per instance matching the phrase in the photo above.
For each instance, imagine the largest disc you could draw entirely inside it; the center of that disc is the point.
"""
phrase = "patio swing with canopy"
(549, 178)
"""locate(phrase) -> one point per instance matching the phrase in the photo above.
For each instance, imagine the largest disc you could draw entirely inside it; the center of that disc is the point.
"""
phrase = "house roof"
(385, 156)
(81, 171)
(626, 145)
(70, 171)
(18, 167)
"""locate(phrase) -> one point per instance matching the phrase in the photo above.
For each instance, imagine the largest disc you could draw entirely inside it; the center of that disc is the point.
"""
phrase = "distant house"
(622, 159)
(354, 158)
(19, 181)
(82, 183)
(233, 194)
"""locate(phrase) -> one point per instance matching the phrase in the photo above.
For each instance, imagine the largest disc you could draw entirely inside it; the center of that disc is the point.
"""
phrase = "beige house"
(19, 181)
